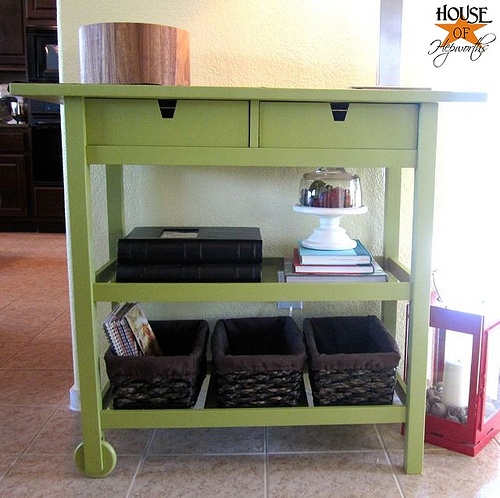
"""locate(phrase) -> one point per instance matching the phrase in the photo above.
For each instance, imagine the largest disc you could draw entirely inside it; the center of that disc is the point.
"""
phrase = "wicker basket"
(352, 360)
(258, 362)
(170, 381)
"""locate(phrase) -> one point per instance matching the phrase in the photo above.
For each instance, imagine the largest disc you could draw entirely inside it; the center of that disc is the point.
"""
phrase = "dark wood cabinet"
(15, 16)
(13, 191)
(41, 12)
(27, 204)
(31, 186)
(14, 169)
(49, 203)
(47, 177)
(12, 40)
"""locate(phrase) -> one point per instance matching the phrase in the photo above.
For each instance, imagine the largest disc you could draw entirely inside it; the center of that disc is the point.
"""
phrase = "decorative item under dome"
(330, 193)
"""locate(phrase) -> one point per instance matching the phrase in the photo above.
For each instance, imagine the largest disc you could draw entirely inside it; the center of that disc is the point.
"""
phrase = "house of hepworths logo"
(465, 32)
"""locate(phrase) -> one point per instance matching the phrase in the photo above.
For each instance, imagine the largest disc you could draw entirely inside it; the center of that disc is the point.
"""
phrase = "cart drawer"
(173, 123)
(329, 125)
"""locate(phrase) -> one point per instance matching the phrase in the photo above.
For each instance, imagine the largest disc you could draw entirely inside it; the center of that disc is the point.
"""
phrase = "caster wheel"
(108, 460)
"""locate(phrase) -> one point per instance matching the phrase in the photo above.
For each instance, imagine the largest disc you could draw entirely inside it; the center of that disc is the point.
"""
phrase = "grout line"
(17, 459)
(389, 460)
(207, 454)
(266, 461)
(26, 451)
(141, 463)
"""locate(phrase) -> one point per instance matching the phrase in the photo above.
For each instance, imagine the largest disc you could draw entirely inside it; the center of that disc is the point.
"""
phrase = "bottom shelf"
(206, 414)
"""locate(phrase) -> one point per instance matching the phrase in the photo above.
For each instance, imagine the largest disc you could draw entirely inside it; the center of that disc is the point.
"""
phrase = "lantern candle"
(456, 383)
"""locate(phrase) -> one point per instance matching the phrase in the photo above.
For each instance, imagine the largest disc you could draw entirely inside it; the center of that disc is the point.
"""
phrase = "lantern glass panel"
(492, 388)
(448, 395)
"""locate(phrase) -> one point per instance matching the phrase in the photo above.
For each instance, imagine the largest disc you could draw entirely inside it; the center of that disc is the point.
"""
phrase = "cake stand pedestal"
(329, 235)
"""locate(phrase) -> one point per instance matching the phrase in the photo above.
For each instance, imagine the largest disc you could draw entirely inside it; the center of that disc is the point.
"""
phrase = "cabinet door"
(13, 190)
(49, 201)
(41, 12)
(12, 46)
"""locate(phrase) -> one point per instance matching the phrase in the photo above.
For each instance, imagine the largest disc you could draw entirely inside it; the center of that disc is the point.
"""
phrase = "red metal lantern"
(463, 398)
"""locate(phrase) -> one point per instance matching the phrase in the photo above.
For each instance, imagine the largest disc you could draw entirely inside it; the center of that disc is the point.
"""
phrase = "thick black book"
(191, 245)
(189, 273)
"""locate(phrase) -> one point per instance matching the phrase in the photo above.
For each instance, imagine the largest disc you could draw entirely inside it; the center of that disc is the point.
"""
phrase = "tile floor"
(38, 432)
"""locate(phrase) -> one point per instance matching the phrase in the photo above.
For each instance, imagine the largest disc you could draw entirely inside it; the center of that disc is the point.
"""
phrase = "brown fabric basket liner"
(352, 360)
(258, 362)
(258, 345)
(350, 342)
(183, 366)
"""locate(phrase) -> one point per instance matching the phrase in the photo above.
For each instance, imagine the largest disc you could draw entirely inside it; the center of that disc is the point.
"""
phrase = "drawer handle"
(339, 110)
(167, 108)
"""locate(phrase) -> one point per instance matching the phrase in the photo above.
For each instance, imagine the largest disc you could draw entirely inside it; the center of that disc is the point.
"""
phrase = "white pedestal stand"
(329, 235)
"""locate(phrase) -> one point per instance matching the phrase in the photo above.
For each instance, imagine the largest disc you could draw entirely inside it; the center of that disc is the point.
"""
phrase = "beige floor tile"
(201, 476)
(19, 324)
(32, 273)
(6, 463)
(129, 441)
(57, 477)
(322, 438)
(391, 436)
(46, 306)
(20, 425)
(58, 331)
(41, 356)
(62, 434)
(8, 350)
(339, 475)
(34, 387)
(33, 241)
(9, 291)
(448, 474)
(240, 440)
(51, 301)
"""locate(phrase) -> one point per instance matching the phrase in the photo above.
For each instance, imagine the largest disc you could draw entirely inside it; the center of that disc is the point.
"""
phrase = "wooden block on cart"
(134, 53)
(172, 380)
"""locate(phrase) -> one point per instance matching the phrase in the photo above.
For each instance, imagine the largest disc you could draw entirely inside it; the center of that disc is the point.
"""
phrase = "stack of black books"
(190, 254)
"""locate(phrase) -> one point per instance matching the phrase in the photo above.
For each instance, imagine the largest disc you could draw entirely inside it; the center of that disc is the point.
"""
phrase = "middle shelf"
(397, 288)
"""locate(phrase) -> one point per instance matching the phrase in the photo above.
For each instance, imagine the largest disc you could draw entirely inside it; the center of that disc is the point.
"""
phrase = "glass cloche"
(330, 188)
(330, 193)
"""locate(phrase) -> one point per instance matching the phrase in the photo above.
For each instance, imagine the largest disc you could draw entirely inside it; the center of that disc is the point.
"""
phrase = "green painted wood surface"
(195, 123)
(257, 417)
(60, 91)
(310, 125)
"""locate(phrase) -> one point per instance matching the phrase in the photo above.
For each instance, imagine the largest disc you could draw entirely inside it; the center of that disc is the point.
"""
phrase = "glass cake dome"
(330, 193)
(330, 188)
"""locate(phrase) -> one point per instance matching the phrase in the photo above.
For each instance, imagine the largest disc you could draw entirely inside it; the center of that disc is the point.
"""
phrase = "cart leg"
(108, 460)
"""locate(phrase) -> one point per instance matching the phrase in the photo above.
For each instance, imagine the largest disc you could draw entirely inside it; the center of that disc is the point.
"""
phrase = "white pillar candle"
(456, 383)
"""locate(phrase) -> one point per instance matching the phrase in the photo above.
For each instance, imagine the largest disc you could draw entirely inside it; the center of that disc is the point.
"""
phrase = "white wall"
(278, 43)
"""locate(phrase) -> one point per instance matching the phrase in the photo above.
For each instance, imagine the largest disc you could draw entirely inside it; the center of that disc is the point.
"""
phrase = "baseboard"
(74, 399)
